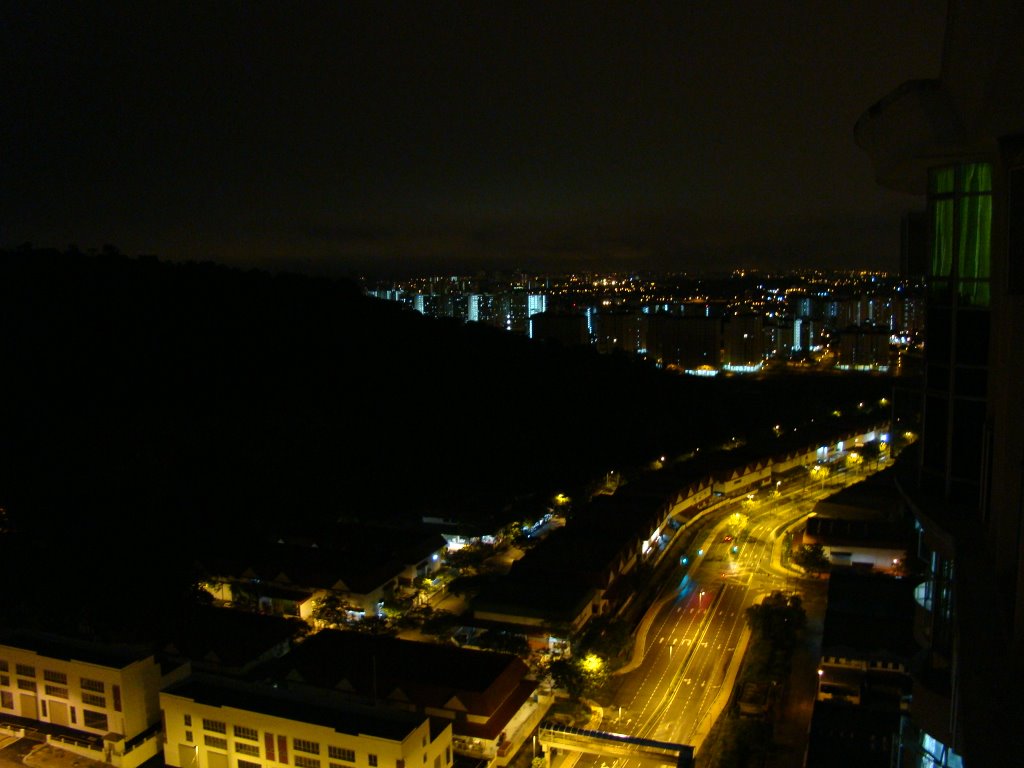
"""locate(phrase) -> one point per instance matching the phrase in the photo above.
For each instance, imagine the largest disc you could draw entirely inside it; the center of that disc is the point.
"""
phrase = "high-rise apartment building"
(958, 141)
(864, 349)
(624, 330)
(743, 342)
(684, 342)
(564, 327)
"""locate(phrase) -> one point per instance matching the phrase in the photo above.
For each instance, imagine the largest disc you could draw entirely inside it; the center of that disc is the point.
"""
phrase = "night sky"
(333, 137)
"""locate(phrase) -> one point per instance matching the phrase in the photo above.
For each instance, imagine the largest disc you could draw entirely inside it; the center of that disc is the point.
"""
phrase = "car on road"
(727, 538)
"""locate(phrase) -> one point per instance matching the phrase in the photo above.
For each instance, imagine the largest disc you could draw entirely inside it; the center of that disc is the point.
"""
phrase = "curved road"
(698, 623)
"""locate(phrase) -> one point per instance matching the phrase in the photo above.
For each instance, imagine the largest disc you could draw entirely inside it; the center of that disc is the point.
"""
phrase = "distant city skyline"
(369, 139)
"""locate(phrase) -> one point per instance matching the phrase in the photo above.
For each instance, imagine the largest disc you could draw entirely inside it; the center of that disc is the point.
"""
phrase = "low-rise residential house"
(288, 576)
(231, 642)
(99, 701)
(217, 723)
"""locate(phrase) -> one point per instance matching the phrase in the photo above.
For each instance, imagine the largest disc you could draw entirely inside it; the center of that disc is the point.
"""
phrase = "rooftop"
(869, 615)
(425, 673)
(384, 723)
(67, 649)
(231, 638)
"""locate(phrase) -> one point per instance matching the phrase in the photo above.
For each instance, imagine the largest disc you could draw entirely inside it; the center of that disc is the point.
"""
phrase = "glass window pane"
(1016, 234)
(977, 178)
(971, 382)
(968, 428)
(972, 337)
(975, 236)
(974, 293)
(940, 181)
(940, 334)
(935, 434)
(942, 238)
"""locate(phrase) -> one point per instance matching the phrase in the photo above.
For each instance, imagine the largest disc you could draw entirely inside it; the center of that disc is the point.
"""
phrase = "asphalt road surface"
(677, 691)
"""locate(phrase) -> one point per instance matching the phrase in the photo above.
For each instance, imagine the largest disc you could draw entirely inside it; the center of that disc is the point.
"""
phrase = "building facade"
(957, 142)
(103, 701)
(211, 723)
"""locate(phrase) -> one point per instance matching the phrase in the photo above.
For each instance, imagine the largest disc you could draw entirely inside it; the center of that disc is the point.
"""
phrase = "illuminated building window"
(306, 762)
(241, 732)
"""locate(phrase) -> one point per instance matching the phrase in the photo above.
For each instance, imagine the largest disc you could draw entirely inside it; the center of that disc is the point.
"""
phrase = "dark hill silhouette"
(150, 405)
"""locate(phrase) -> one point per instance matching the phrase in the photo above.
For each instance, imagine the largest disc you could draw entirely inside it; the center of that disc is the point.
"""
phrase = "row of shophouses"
(557, 587)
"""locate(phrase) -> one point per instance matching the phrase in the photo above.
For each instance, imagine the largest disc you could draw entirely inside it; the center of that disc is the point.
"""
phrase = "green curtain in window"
(940, 181)
(965, 193)
(974, 248)
(976, 178)
(942, 238)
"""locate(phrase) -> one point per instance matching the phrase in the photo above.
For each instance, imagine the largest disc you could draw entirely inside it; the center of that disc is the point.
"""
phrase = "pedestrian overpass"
(652, 754)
